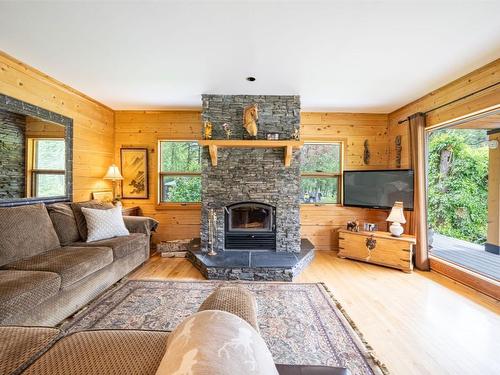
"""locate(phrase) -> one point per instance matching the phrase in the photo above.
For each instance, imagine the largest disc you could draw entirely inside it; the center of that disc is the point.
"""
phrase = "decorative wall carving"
(366, 153)
(397, 140)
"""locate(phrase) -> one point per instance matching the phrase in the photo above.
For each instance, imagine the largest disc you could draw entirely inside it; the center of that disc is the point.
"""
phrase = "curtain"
(416, 129)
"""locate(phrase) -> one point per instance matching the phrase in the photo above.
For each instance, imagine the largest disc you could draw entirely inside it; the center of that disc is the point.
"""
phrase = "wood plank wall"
(144, 128)
(319, 223)
(37, 128)
(353, 129)
(93, 122)
(476, 80)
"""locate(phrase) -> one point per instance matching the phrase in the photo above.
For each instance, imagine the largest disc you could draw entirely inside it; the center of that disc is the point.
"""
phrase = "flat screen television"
(378, 189)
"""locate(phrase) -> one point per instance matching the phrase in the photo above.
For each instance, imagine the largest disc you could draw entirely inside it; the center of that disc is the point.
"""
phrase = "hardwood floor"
(419, 323)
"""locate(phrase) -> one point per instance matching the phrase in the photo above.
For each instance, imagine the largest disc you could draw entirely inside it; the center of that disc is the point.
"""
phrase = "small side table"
(131, 211)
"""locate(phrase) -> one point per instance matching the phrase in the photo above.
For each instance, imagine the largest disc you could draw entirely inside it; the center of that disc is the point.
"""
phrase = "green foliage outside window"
(180, 171)
(180, 157)
(319, 190)
(458, 184)
(320, 157)
(320, 166)
(181, 188)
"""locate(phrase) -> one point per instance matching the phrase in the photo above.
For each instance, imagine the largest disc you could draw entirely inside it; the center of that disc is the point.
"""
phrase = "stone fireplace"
(255, 197)
(252, 174)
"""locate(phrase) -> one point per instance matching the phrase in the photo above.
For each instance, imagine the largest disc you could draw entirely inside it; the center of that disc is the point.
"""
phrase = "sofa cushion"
(104, 224)
(64, 222)
(121, 246)
(81, 223)
(25, 231)
(71, 263)
(216, 342)
(20, 346)
(103, 352)
(20, 291)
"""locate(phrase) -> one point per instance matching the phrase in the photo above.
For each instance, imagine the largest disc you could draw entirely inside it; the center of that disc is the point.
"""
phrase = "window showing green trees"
(321, 172)
(458, 184)
(48, 173)
(180, 167)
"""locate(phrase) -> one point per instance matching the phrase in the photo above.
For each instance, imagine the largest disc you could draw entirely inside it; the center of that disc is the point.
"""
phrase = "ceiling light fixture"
(250, 79)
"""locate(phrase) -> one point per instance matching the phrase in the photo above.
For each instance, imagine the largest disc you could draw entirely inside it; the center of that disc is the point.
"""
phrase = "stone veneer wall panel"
(12, 151)
(253, 174)
(277, 114)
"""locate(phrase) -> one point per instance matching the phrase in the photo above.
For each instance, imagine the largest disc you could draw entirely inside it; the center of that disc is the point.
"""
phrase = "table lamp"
(397, 218)
(114, 175)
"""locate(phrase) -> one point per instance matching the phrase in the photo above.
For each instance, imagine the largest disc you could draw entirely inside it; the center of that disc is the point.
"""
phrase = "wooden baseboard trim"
(478, 282)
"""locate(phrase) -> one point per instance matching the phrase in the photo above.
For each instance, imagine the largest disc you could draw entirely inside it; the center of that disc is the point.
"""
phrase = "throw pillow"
(216, 342)
(64, 221)
(104, 224)
(80, 218)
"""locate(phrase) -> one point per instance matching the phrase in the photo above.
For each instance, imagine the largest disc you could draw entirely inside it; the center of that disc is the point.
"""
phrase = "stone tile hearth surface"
(251, 265)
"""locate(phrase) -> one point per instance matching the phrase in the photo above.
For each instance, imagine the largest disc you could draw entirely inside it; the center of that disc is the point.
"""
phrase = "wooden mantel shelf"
(287, 146)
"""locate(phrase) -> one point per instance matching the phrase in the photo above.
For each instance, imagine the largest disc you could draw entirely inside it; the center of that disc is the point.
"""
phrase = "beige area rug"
(301, 323)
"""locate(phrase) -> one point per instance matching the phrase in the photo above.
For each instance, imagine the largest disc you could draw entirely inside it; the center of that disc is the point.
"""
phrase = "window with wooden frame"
(321, 171)
(46, 167)
(179, 171)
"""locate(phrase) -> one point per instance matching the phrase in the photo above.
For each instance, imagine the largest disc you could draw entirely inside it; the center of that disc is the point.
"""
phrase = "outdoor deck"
(468, 255)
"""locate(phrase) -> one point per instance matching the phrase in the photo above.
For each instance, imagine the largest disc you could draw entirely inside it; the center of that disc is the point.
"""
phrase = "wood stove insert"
(250, 226)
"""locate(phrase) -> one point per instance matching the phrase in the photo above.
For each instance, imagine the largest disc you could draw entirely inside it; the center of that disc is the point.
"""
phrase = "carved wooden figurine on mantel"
(250, 117)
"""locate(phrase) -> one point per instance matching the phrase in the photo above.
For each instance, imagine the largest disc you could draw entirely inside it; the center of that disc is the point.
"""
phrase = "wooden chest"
(378, 248)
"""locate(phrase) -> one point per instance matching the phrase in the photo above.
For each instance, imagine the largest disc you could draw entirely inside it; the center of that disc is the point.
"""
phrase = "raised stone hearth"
(251, 265)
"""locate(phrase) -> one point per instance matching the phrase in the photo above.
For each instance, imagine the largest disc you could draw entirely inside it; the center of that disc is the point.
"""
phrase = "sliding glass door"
(463, 168)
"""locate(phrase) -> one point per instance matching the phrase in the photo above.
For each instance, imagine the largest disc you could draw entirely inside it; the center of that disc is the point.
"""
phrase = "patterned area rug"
(301, 323)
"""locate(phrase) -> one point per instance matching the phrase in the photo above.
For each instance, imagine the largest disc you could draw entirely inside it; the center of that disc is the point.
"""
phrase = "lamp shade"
(113, 173)
(396, 215)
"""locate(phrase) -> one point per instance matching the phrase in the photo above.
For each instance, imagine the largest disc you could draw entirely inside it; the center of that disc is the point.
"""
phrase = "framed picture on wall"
(103, 196)
(134, 162)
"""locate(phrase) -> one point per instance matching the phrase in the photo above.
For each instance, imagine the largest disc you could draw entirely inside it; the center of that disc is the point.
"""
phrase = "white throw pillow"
(104, 224)
(216, 342)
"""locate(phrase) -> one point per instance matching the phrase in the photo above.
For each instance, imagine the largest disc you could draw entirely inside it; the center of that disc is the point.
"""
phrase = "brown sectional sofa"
(48, 271)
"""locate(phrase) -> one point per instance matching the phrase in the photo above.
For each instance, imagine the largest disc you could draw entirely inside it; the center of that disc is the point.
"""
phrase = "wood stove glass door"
(250, 217)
